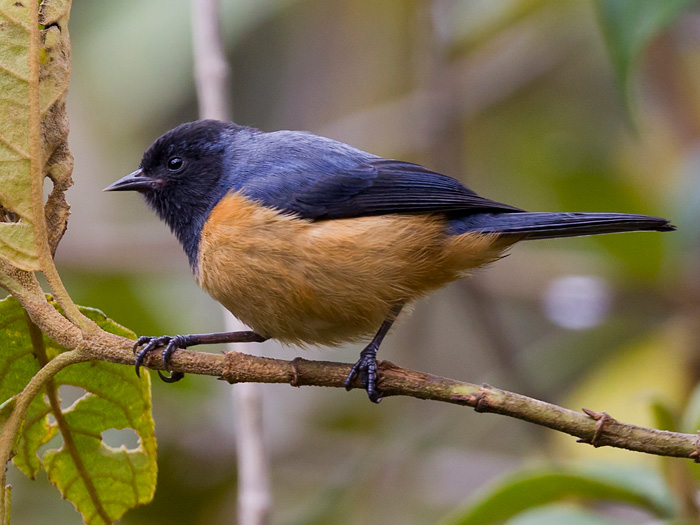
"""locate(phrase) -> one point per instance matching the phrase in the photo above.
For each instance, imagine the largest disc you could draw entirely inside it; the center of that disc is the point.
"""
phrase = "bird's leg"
(172, 343)
(366, 366)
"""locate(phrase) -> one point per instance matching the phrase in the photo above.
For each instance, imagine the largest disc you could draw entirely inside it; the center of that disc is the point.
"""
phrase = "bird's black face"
(185, 160)
(180, 177)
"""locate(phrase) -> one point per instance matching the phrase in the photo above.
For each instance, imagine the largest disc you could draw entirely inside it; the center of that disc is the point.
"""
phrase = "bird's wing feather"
(373, 187)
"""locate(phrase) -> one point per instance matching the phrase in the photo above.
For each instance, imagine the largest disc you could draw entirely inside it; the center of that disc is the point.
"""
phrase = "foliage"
(630, 26)
(102, 482)
(33, 131)
(559, 493)
(532, 488)
(537, 125)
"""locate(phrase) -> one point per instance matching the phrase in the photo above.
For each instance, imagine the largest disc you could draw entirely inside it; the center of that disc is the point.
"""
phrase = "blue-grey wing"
(340, 187)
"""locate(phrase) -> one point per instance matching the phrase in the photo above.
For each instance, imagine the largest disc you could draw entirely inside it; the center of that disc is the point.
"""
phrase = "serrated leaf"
(49, 84)
(102, 482)
(629, 26)
(531, 488)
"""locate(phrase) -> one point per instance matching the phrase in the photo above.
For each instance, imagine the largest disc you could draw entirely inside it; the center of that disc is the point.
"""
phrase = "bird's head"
(182, 176)
(182, 164)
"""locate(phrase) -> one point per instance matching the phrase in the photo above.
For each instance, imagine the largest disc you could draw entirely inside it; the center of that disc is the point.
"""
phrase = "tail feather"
(544, 225)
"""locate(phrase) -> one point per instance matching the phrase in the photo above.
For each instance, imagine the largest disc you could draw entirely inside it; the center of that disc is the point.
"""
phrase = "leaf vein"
(14, 148)
(9, 362)
(59, 15)
(27, 253)
(118, 404)
(14, 20)
(14, 73)
(63, 91)
(131, 378)
(134, 485)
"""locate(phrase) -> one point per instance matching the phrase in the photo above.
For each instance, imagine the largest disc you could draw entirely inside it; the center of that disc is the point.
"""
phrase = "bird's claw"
(150, 343)
(366, 369)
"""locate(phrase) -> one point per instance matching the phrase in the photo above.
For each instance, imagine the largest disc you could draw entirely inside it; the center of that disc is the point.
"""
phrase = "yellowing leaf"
(627, 384)
(18, 245)
(102, 482)
(46, 84)
(17, 242)
(53, 87)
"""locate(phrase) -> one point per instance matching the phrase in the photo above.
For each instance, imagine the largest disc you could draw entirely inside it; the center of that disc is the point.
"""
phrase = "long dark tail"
(543, 225)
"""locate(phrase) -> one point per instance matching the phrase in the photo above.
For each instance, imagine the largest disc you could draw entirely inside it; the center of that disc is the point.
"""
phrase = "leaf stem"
(6, 498)
(36, 173)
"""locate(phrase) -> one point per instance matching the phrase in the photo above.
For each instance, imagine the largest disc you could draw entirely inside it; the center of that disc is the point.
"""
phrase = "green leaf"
(38, 73)
(690, 423)
(527, 489)
(663, 416)
(102, 482)
(36, 432)
(558, 514)
(691, 417)
(654, 359)
(628, 27)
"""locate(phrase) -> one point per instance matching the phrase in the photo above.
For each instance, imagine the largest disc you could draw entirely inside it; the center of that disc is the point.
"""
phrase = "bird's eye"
(175, 163)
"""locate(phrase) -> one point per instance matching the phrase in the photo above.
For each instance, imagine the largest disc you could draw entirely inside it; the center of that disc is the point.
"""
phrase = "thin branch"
(254, 494)
(595, 428)
(212, 74)
(211, 68)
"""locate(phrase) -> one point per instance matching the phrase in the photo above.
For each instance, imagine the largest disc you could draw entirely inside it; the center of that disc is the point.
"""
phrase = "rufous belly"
(328, 282)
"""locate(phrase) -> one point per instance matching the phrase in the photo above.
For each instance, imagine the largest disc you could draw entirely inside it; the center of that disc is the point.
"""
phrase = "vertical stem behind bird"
(212, 77)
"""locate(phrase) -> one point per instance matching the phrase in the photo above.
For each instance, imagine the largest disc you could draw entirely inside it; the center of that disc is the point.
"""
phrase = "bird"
(310, 241)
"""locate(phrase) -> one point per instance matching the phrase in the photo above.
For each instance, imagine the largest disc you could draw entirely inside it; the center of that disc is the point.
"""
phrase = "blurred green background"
(519, 99)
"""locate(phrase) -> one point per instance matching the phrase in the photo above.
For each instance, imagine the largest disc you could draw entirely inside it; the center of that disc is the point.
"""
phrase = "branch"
(595, 428)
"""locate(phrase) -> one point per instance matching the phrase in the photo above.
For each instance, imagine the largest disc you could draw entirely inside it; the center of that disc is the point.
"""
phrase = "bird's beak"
(135, 181)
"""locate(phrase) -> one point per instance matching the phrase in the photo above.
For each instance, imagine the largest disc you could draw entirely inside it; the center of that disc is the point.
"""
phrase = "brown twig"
(236, 367)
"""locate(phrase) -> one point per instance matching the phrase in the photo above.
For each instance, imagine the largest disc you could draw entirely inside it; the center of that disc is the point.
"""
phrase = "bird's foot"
(150, 343)
(366, 369)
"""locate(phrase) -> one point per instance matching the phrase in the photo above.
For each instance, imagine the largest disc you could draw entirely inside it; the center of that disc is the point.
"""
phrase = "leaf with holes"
(102, 482)
(34, 74)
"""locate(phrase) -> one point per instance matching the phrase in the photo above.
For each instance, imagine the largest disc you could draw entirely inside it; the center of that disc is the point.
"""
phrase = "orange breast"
(328, 282)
